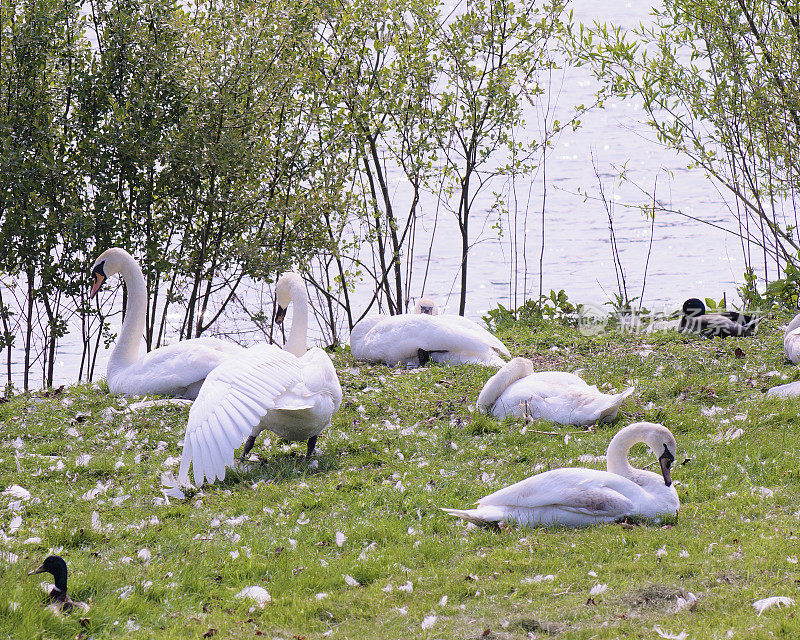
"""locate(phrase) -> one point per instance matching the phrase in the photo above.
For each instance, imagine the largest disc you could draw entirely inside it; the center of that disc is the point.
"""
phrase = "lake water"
(688, 258)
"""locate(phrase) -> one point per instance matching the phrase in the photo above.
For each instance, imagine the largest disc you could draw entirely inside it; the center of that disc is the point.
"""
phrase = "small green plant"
(554, 306)
(783, 293)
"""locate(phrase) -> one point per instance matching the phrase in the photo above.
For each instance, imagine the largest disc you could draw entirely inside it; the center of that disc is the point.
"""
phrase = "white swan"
(578, 497)
(414, 338)
(791, 340)
(292, 392)
(548, 395)
(791, 346)
(174, 370)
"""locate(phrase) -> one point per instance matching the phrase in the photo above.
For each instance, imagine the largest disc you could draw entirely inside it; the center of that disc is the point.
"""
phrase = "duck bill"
(280, 314)
(35, 571)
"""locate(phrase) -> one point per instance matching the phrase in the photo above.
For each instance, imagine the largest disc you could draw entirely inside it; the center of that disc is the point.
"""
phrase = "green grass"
(404, 444)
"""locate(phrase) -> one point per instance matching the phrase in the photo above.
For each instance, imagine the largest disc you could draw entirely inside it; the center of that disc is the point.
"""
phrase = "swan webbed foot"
(311, 445)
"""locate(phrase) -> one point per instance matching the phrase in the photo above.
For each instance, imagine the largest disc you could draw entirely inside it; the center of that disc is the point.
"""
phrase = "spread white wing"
(231, 403)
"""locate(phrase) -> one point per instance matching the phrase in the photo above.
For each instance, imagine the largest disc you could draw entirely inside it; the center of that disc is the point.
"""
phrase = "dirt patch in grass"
(653, 597)
(542, 627)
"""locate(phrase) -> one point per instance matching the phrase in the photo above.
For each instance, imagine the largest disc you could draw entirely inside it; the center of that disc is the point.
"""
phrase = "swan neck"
(296, 342)
(514, 370)
(618, 449)
(126, 351)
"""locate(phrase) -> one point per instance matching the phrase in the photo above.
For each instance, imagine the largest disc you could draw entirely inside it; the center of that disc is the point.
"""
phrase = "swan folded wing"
(177, 365)
(486, 336)
(232, 401)
(319, 375)
(586, 491)
(790, 390)
(225, 347)
(544, 397)
(396, 339)
(560, 379)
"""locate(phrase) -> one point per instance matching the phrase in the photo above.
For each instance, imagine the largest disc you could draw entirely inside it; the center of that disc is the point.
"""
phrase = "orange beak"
(99, 278)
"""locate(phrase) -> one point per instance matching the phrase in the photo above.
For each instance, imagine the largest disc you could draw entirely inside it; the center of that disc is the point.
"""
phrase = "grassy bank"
(355, 546)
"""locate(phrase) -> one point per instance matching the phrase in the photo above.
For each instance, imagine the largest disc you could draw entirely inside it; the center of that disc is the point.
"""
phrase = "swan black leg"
(424, 357)
(312, 443)
(247, 446)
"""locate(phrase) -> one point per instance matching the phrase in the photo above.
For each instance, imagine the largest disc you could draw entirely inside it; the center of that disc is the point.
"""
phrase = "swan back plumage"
(449, 339)
(557, 396)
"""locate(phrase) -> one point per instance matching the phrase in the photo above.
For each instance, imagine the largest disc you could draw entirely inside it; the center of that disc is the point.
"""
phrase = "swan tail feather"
(610, 412)
(482, 516)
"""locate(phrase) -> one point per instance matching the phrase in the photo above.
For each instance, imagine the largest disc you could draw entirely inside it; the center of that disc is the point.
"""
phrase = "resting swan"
(548, 395)
(292, 392)
(414, 338)
(579, 497)
(174, 370)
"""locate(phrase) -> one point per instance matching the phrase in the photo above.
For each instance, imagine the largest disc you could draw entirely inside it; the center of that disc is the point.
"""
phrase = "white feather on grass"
(670, 636)
(768, 603)
(259, 594)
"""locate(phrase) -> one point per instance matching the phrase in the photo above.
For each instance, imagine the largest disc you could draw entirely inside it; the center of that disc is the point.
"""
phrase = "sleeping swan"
(414, 338)
(174, 370)
(292, 392)
(578, 497)
(548, 395)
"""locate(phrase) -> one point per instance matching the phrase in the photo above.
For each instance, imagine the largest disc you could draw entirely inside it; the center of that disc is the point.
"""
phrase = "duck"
(58, 599)
(177, 369)
(724, 324)
(292, 392)
(576, 497)
(565, 398)
(414, 339)
(791, 340)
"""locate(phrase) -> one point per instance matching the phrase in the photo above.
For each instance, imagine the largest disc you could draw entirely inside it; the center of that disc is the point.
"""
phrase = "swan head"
(109, 263)
(694, 307)
(283, 293)
(56, 566)
(662, 443)
(426, 306)
(657, 438)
